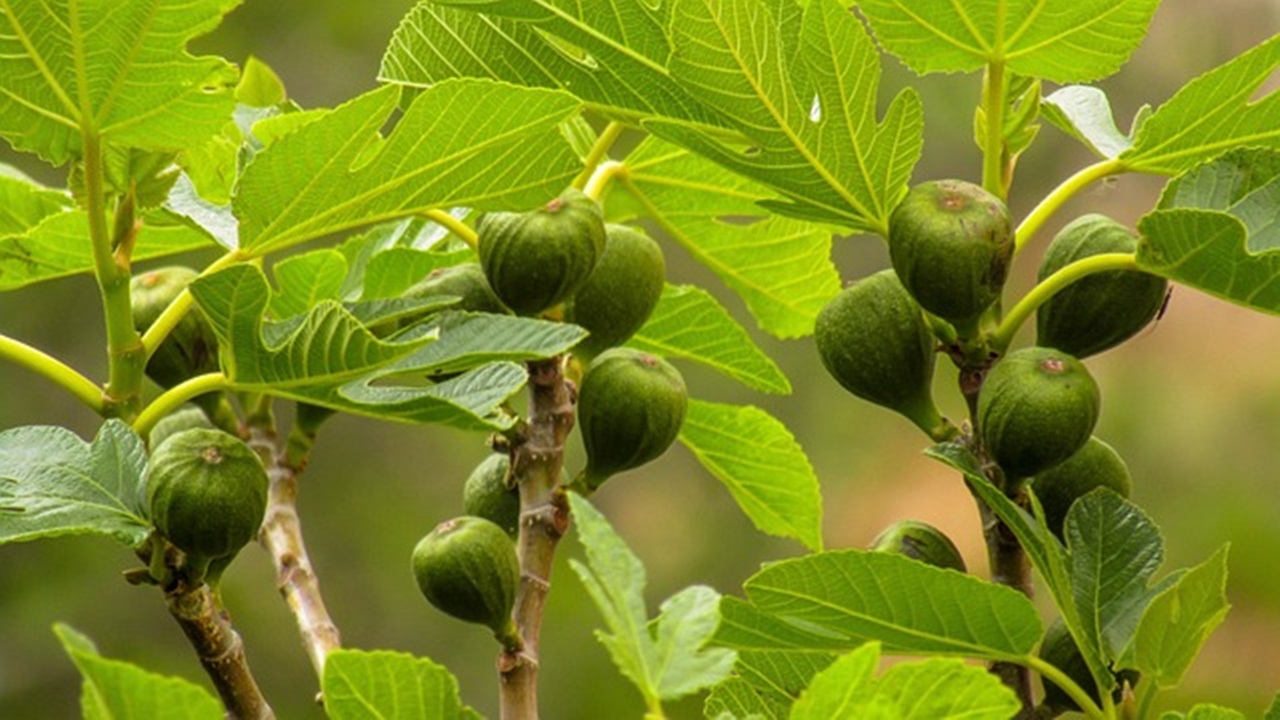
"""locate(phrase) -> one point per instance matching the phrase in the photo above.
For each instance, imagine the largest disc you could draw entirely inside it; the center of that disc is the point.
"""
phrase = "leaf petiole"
(1069, 686)
(599, 151)
(603, 175)
(1060, 195)
(176, 396)
(1051, 285)
(50, 367)
(993, 144)
(178, 309)
(453, 225)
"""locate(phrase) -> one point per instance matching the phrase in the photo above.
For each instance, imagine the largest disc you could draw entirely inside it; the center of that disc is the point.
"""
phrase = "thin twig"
(537, 458)
(220, 649)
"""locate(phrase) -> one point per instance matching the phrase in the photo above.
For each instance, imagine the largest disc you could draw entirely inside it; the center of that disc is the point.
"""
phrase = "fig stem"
(1069, 686)
(49, 367)
(220, 649)
(1054, 201)
(603, 175)
(599, 151)
(176, 396)
(1051, 285)
(537, 457)
(453, 225)
(281, 536)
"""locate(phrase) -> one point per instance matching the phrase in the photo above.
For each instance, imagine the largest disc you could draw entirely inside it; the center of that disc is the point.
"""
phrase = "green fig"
(630, 407)
(621, 292)
(207, 493)
(187, 417)
(1093, 466)
(873, 339)
(466, 281)
(487, 494)
(467, 568)
(919, 541)
(951, 243)
(191, 349)
(1099, 311)
(1059, 649)
(1036, 408)
(538, 259)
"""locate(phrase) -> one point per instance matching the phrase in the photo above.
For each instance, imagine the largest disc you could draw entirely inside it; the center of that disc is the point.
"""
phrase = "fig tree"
(621, 292)
(1036, 408)
(467, 568)
(919, 541)
(630, 407)
(1059, 649)
(873, 339)
(951, 243)
(1099, 311)
(538, 259)
(1095, 465)
(191, 349)
(207, 493)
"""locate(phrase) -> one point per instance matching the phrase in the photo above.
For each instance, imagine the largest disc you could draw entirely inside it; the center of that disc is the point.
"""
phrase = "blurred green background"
(1193, 404)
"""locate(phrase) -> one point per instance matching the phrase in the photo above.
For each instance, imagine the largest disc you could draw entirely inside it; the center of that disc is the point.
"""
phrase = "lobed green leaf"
(117, 689)
(53, 483)
(688, 323)
(761, 464)
(384, 685)
(1060, 40)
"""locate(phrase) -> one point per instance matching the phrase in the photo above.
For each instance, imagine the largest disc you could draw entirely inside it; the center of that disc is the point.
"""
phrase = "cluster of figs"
(207, 489)
(951, 244)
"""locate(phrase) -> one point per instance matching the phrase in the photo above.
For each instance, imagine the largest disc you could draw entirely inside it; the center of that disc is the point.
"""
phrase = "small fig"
(1059, 649)
(187, 417)
(951, 243)
(873, 339)
(621, 292)
(191, 349)
(487, 494)
(1095, 465)
(467, 568)
(1036, 408)
(630, 406)
(1098, 311)
(465, 281)
(919, 541)
(207, 493)
(538, 259)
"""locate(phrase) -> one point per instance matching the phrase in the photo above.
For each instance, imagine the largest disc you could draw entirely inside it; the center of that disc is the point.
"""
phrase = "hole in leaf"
(570, 51)
(815, 110)
(1268, 86)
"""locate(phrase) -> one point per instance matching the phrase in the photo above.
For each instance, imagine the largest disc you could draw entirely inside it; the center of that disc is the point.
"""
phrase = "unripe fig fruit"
(487, 495)
(537, 259)
(187, 417)
(919, 541)
(873, 339)
(1036, 408)
(1098, 311)
(621, 292)
(951, 243)
(630, 408)
(467, 567)
(1059, 649)
(207, 493)
(191, 349)
(465, 281)
(1095, 465)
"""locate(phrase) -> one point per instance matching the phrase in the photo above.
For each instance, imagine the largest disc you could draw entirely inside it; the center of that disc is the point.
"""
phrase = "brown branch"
(281, 536)
(220, 649)
(537, 457)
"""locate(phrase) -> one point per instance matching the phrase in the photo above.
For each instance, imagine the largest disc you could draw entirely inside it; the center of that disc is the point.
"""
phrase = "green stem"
(993, 147)
(126, 355)
(1051, 285)
(175, 396)
(1069, 686)
(598, 152)
(603, 175)
(1146, 697)
(1060, 195)
(53, 369)
(177, 309)
(453, 225)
